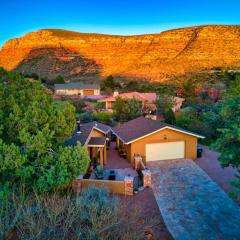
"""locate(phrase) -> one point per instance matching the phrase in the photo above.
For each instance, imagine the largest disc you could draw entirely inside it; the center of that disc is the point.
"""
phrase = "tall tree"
(228, 142)
(33, 128)
(110, 84)
(164, 107)
(133, 108)
(126, 109)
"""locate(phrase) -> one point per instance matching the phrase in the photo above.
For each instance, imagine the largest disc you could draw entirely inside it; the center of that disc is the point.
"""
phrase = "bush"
(187, 118)
(110, 84)
(126, 110)
(99, 105)
(169, 117)
(86, 117)
(59, 79)
(103, 117)
(31, 75)
(94, 214)
(79, 105)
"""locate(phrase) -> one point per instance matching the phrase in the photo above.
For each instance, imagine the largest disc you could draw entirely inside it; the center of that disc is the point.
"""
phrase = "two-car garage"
(154, 140)
(165, 151)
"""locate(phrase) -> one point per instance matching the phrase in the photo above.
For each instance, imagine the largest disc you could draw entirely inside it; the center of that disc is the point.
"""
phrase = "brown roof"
(85, 132)
(141, 126)
(79, 137)
(97, 141)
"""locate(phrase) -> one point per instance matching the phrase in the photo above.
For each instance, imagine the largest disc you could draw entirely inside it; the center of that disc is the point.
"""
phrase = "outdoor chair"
(112, 175)
(122, 153)
(99, 172)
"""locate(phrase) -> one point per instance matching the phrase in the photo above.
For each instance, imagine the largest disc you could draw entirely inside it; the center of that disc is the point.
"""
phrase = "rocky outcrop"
(155, 57)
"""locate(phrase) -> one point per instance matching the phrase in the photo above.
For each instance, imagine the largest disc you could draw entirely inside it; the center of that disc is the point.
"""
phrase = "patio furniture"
(89, 171)
(99, 172)
(122, 153)
(112, 175)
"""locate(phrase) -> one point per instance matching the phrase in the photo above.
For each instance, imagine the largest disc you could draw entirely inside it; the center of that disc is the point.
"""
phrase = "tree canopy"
(109, 84)
(229, 139)
(33, 128)
(165, 104)
(126, 109)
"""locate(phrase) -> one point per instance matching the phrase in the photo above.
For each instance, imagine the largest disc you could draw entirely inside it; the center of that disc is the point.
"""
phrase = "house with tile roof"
(151, 139)
(133, 145)
(147, 100)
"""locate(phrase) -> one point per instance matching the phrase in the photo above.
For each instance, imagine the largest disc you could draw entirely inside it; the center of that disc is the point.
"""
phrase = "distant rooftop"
(150, 97)
(76, 86)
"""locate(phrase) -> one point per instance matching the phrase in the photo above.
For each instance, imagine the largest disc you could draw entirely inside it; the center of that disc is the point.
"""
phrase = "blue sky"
(124, 17)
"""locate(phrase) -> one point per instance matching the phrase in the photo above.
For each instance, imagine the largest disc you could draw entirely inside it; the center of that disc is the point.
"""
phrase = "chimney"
(78, 126)
(116, 93)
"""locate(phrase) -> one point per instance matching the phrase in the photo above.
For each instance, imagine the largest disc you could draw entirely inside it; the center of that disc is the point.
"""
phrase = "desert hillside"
(154, 57)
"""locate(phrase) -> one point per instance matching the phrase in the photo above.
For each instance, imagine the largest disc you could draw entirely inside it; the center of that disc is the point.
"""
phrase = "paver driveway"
(193, 206)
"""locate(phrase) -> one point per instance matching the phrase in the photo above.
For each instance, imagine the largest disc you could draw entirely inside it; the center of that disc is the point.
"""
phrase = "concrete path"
(192, 205)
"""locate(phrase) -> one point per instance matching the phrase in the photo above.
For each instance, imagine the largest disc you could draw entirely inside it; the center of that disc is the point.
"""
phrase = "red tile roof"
(149, 97)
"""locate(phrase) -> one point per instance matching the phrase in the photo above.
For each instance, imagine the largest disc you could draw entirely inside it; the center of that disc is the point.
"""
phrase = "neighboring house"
(79, 89)
(93, 136)
(154, 140)
(177, 103)
(147, 100)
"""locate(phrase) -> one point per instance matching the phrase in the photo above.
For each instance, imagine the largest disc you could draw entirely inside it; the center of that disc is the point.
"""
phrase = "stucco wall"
(113, 186)
(75, 91)
(68, 92)
(138, 147)
(96, 133)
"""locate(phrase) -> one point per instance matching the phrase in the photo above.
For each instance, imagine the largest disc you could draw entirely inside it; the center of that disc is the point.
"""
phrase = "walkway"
(192, 205)
(114, 160)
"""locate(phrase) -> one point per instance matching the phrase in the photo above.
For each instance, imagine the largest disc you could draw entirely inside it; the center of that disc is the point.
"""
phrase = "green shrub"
(94, 214)
(99, 105)
(86, 117)
(79, 105)
(109, 84)
(103, 117)
(126, 110)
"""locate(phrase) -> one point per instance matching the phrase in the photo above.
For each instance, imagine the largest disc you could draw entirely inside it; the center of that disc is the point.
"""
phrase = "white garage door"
(165, 151)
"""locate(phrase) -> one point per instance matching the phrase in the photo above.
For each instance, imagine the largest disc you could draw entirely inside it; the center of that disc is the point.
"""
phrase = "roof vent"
(78, 126)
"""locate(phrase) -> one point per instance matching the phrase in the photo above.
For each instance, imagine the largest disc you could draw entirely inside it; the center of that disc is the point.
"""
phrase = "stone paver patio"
(114, 161)
(193, 206)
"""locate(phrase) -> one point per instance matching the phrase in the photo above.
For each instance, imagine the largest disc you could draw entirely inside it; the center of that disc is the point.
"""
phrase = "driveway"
(193, 206)
(210, 164)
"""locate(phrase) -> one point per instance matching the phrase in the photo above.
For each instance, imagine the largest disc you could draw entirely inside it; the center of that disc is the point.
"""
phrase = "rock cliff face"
(154, 57)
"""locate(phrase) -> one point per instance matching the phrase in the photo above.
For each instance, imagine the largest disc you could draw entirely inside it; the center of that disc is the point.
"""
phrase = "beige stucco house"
(154, 140)
(77, 89)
